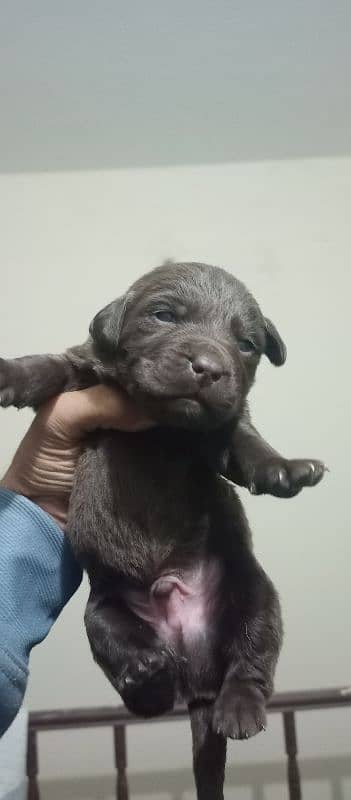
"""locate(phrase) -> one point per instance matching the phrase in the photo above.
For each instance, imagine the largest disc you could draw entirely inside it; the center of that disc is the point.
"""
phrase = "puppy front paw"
(285, 478)
(240, 713)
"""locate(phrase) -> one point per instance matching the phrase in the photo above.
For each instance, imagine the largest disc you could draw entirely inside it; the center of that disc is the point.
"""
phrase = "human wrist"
(54, 505)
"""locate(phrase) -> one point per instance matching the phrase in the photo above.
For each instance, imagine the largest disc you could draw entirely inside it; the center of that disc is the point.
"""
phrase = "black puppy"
(179, 607)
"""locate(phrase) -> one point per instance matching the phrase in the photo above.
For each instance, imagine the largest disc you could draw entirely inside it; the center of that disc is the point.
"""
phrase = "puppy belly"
(180, 607)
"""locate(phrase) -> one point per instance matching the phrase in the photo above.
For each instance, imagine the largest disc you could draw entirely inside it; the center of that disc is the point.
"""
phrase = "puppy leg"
(132, 657)
(240, 708)
(255, 464)
(209, 753)
(31, 380)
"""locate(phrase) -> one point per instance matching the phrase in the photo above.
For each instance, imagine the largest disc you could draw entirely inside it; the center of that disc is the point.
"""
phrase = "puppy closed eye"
(165, 315)
(246, 346)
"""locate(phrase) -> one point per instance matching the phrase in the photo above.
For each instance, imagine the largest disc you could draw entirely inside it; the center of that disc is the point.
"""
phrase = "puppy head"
(186, 341)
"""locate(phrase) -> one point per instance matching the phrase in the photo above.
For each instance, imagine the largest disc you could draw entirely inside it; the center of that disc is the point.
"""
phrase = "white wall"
(106, 84)
(71, 242)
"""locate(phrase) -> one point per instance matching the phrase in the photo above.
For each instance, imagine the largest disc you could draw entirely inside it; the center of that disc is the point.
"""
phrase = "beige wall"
(69, 243)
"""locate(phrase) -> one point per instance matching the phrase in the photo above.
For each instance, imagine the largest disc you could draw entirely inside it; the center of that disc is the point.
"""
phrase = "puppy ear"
(275, 348)
(106, 326)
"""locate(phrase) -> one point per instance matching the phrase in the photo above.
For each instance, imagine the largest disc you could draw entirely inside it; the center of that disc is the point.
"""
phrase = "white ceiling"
(88, 85)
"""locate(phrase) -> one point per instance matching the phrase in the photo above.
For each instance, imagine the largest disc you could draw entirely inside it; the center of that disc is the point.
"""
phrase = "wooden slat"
(120, 749)
(294, 780)
(32, 766)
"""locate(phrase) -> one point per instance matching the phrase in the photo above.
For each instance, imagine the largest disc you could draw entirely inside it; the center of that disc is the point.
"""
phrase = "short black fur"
(160, 506)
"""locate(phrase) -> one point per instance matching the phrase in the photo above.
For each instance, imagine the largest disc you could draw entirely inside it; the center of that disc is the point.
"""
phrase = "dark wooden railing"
(285, 703)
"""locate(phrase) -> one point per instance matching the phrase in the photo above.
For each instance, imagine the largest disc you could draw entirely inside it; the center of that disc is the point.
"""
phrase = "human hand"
(44, 464)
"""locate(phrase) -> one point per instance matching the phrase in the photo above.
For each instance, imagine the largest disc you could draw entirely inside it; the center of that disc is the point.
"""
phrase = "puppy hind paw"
(148, 687)
(142, 668)
(240, 715)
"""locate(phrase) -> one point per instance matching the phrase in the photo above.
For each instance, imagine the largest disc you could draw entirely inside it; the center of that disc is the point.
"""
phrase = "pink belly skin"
(181, 608)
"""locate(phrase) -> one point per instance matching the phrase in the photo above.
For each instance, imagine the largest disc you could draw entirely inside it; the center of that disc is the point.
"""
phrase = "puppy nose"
(207, 367)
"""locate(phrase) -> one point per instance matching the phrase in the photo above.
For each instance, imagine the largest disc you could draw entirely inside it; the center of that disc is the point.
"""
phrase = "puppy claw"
(283, 478)
(127, 680)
